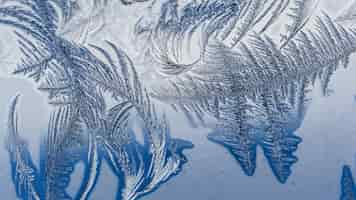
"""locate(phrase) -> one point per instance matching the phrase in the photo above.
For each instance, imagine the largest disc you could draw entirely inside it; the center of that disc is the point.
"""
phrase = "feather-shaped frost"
(23, 170)
(300, 15)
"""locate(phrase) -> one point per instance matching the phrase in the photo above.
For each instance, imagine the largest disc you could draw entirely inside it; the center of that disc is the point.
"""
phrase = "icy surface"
(167, 99)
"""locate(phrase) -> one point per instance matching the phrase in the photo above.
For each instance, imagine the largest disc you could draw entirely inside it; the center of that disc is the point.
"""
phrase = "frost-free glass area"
(211, 100)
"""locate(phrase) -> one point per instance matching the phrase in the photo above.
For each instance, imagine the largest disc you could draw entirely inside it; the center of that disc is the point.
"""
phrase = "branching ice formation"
(140, 169)
(76, 82)
(268, 119)
(256, 63)
(22, 168)
(241, 72)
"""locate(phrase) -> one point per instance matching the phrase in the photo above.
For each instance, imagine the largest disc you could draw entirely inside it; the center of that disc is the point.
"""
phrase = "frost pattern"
(254, 87)
(348, 191)
(140, 169)
(22, 168)
(269, 119)
(257, 62)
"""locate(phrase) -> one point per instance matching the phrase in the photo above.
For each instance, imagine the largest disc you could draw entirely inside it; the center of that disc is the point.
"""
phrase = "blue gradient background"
(329, 142)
